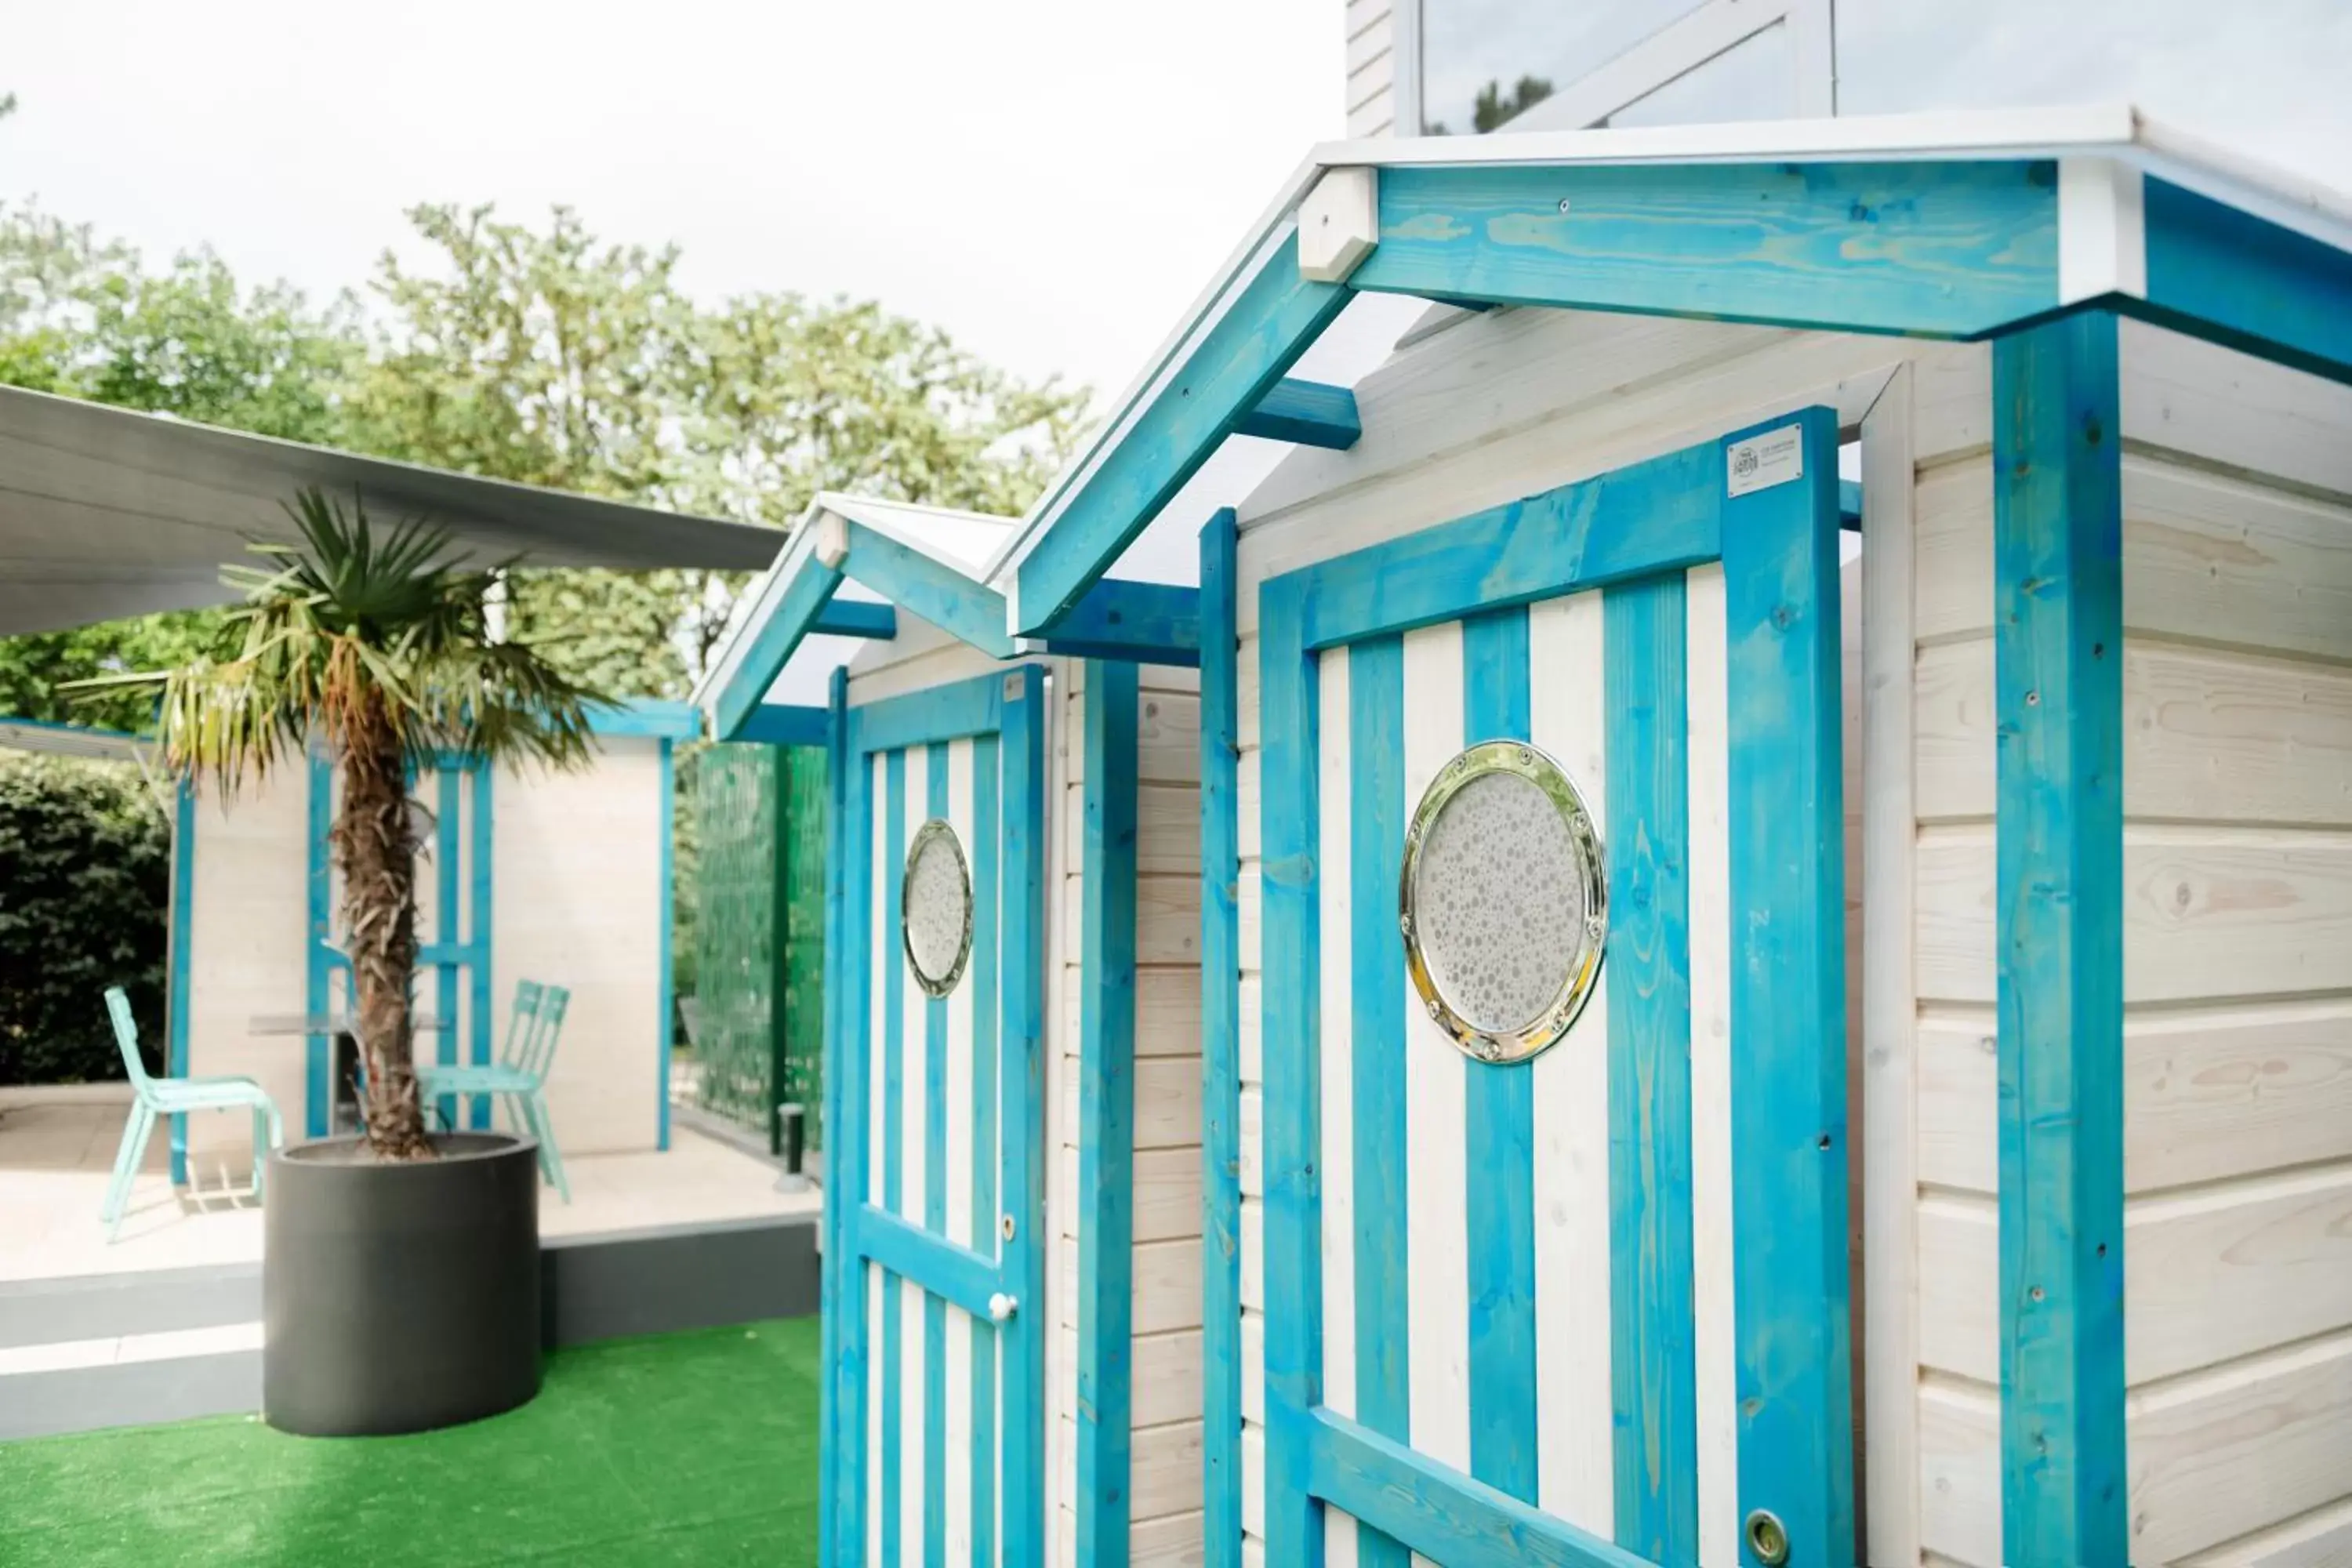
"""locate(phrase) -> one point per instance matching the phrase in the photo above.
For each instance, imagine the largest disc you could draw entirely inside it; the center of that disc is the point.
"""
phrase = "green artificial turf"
(683, 1448)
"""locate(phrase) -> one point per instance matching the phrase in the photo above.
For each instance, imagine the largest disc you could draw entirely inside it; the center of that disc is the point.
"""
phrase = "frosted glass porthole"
(1504, 901)
(936, 912)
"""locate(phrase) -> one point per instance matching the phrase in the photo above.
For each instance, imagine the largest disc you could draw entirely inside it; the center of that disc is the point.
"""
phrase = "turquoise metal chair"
(160, 1097)
(519, 1074)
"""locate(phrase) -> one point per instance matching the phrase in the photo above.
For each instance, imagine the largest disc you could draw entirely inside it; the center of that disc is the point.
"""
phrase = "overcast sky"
(1051, 180)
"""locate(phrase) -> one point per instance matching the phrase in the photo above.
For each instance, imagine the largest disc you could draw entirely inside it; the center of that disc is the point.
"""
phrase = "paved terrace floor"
(57, 1154)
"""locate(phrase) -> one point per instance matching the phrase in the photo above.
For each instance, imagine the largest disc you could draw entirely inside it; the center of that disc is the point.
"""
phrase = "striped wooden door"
(1590, 1307)
(934, 1251)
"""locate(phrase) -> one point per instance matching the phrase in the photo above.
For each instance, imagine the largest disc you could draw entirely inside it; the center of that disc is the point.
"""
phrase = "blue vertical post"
(1221, 1189)
(1785, 836)
(894, 1148)
(1107, 1113)
(1380, 1120)
(183, 958)
(2058, 658)
(318, 976)
(1500, 1137)
(935, 1219)
(1023, 1081)
(987, 830)
(446, 778)
(1654, 1369)
(1292, 814)
(481, 914)
(842, 1480)
(666, 904)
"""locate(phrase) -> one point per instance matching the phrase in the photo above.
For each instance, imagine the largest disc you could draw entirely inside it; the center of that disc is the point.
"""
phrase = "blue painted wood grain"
(183, 959)
(1652, 1369)
(988, 918)
(447, 781)
(924, 586)
(856, 618)
(974, 707)
(1106, 1197)
(2238, 279)
(783, 725)
(1270, 322)
(1786, 831)
(805, 595)
(1221, 1073)
(483, 923)
(1439, 1513)
(948, 1269)
(320, 967)
(1930, 249)
(1021, 1120)
(1382, 1125)
(1648, 517)
(1499, 1150)
(841, 1488)
(2058, 641)
(665, 921)
(1290, 816)
(1307, 413)
(935, 1219)
(1157, 622)
(893, 1150)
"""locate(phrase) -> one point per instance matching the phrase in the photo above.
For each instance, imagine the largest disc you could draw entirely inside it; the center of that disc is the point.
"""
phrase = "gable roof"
(1951, 224)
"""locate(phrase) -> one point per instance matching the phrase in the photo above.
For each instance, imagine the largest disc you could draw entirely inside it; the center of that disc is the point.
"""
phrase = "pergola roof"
(1954, 226)
(106, 512)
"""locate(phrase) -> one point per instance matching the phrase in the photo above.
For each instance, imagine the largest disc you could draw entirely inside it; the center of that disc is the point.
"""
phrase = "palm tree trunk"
(375, 846)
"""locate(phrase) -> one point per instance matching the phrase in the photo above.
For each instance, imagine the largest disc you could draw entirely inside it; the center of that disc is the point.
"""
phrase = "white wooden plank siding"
(1371, 63)
(2237, 550)
(1164, 1491)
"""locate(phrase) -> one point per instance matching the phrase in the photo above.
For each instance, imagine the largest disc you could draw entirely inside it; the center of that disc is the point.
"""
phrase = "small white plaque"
(1759, 463)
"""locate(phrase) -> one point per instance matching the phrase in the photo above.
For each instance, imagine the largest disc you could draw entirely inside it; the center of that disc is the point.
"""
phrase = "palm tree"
(381, 649)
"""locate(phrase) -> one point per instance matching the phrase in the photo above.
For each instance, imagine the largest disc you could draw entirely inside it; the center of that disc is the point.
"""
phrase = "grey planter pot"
(399, 1298)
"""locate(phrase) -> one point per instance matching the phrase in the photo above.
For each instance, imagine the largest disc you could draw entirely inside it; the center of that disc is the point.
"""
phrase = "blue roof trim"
(784, 724)
(1151, 623)
(1272, 320)
(806, 594)
(649, 717)
(1310, 413)
(2226, 275)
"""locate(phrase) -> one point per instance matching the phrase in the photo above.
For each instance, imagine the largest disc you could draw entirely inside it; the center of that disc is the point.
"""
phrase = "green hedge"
(85, 901)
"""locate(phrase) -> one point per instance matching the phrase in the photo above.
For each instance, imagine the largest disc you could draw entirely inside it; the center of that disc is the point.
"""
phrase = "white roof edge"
(901, 521)
(2110, 129)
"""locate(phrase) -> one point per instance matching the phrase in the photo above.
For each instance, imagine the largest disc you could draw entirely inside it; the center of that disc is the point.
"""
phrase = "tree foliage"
(85, 873)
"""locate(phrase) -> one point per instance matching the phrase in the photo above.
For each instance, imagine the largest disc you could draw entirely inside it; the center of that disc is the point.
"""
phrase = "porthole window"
(935, 917)
(1504, 901)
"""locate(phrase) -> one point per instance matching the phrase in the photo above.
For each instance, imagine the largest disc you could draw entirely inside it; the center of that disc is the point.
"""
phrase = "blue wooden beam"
(2058, 708)
(928, 587)
(858, 618)
(1930, 249)
(1151, 623)
(2235, 278)
(1850, 505)
(804, 598)
(1276, 315)
(784, 724)
(948, 1269)
(1309, 413)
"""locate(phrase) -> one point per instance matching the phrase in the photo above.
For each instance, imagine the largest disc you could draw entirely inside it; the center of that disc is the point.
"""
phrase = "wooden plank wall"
(577, 860)
(1165, 1451)
(1372, 66)
(2238, 969)
(248, 956)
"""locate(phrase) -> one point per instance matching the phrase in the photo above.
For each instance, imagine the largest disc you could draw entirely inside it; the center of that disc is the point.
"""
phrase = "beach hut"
(1013, 1083)
(1727, 1040)
(561, 878)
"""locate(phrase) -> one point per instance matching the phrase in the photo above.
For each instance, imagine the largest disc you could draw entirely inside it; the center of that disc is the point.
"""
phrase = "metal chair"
(520, 1073)
(160, 1097)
